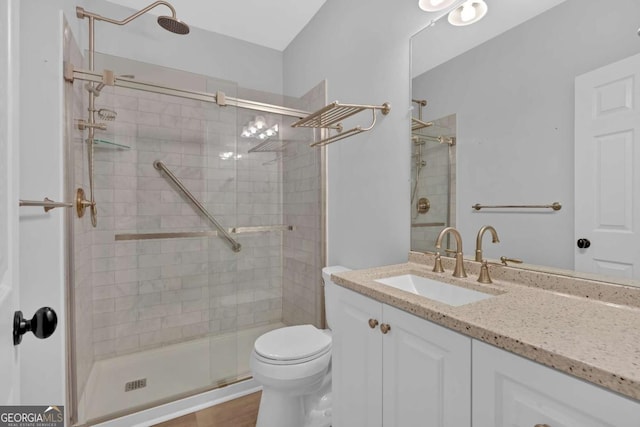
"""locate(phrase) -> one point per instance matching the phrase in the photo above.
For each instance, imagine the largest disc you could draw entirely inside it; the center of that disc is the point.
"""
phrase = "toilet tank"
(329, 291)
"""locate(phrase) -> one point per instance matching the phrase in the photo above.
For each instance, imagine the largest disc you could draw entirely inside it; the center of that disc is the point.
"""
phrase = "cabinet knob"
(542, 425)
(385, 328)
(373, 323)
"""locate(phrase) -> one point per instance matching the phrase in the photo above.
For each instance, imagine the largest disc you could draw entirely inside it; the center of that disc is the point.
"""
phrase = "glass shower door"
(144, 287)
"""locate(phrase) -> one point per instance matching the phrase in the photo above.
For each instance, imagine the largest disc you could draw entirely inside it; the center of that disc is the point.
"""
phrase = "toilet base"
(278, 409)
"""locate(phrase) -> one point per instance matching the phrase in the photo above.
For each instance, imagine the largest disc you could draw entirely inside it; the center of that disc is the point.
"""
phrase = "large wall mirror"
(545, 96)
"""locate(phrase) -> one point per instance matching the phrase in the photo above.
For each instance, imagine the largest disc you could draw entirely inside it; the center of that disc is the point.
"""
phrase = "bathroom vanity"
(539, 350)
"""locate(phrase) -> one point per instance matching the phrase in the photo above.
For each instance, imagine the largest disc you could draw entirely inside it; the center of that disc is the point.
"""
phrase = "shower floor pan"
(170, 371)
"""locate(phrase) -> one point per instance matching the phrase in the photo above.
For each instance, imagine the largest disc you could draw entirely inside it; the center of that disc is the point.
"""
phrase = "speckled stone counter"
(585, 328)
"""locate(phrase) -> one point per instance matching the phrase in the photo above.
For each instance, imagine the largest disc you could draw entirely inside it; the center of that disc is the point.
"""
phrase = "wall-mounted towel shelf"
(556, 206)
(417, 124)
(330, 117)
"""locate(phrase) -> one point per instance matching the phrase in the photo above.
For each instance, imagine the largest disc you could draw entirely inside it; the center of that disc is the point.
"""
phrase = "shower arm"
(81, 13)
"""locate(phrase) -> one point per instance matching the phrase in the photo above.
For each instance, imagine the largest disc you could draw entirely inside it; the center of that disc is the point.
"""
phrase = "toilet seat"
(292, 345)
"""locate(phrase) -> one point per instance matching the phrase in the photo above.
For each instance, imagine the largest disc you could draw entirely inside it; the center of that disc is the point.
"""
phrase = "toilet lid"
(292, 343)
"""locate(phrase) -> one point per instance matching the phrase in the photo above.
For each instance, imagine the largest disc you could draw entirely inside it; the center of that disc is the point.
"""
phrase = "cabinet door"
(426, 373)
(356, 361)
(510, 391)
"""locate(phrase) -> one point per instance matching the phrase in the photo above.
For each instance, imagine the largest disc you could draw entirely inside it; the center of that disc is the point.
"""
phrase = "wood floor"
(241, 412)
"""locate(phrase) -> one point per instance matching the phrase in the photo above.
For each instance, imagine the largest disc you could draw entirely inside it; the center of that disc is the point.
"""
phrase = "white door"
(9, 368)
(607, 169)
(426, 373)
(356, 361)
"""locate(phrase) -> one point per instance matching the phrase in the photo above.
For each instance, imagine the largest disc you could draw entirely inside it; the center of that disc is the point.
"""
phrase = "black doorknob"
(42, 324)
(583, 243)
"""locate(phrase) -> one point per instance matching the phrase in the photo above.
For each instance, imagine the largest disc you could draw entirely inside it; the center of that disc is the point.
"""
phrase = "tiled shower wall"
(434, 184)
(149, 293)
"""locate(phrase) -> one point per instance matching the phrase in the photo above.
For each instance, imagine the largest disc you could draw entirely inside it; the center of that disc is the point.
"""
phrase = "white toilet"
(293, 365)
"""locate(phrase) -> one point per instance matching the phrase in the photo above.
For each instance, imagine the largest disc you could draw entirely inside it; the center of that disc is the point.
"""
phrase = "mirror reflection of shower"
(433, 153)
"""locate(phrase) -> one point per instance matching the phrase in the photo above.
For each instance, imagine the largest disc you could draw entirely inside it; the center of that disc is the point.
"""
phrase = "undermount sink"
(432, 289)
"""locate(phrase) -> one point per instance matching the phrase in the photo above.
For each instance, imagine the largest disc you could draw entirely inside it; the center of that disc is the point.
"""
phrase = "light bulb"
(252, 128)
(468, 12)
(259, 122)
(245, 132)
(270, 132)
(262, 136)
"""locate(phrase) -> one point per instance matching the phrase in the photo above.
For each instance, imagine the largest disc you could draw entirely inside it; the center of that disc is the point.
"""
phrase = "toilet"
(293, 365)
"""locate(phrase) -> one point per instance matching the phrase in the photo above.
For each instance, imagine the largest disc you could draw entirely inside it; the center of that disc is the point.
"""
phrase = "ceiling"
(273, 23)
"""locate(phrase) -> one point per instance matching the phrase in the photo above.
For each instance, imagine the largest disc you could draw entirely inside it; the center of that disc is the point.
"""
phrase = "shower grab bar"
(176, 235)
(47, 203)
(235, 246)
(556, 206)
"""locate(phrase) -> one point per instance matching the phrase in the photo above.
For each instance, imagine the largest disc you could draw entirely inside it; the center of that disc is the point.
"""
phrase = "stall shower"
(162, 304)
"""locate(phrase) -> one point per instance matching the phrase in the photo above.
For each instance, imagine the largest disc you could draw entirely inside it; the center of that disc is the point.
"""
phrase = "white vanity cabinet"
(511, 391)
(416, 374)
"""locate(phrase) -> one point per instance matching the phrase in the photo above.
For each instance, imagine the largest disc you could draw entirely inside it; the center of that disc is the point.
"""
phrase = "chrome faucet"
(494, 239)
(458, 270)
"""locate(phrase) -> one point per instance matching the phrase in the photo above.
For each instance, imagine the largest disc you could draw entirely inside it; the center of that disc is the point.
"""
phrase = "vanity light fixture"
(468, 13)
(459, 12)
(257, 128)
(435, 5)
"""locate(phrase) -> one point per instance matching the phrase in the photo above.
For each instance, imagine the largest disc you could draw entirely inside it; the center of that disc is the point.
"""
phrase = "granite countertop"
(588, 329)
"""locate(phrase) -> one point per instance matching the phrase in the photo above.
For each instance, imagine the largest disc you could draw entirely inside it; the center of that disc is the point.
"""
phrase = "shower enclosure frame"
(219, 98)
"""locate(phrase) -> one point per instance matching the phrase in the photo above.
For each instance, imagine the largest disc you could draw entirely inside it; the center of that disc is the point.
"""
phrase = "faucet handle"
(437, 264)
(484, 273)
(505, 260)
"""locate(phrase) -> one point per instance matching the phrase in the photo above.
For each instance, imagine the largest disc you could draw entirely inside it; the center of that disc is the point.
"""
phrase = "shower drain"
(135, 384)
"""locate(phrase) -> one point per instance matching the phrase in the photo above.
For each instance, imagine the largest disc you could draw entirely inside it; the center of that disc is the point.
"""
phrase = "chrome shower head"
(173, 24)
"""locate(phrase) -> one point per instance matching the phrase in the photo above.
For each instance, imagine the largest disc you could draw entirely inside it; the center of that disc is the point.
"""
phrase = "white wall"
(362, 49)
